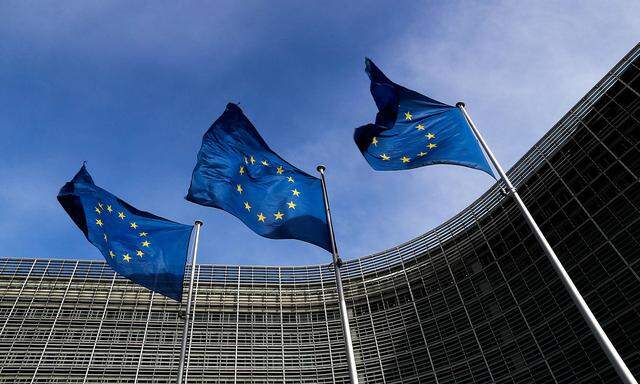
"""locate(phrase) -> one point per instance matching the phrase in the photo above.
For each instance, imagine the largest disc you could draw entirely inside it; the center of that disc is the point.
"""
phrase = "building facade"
(473, 301)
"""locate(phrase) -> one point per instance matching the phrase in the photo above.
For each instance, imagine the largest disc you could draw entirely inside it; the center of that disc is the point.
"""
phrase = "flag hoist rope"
(596, 329)
(353, 373)
(185, 329)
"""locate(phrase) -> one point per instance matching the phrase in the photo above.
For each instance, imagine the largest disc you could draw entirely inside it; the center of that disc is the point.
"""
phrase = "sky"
(131, 87)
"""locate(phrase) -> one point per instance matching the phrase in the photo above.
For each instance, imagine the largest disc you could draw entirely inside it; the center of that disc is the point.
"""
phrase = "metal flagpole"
(185, 329)
(596, 329)
(337, 263)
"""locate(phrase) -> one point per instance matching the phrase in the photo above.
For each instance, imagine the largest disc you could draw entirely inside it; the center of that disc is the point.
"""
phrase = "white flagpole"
(596, 329)
(185, 329)
(337, 263)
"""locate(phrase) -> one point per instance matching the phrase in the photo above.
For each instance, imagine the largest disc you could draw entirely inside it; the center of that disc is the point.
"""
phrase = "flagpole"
(596, 329)
(337, 263)
(185, 329)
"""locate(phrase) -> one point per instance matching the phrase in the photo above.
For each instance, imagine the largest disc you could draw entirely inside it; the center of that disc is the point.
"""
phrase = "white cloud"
(519, 67)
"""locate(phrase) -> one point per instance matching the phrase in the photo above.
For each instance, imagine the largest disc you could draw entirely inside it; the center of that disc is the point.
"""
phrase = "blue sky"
(130, 87)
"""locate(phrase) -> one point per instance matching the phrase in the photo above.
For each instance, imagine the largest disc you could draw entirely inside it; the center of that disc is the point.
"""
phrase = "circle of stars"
(279, 215)
(102, 212)
(405, 159)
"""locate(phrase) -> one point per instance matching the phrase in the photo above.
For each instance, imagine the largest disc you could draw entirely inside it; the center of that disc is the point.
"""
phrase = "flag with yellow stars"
(146, 249)
(412, 130)
(236, 171)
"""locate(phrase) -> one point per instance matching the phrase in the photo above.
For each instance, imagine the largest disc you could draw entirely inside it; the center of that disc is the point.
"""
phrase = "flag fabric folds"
(237, 172)
(412, 130)
(146, 249)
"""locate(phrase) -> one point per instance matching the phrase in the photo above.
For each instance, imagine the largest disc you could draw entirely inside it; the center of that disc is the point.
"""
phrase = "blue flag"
(412, 130)
(237, 172)
(146, 249)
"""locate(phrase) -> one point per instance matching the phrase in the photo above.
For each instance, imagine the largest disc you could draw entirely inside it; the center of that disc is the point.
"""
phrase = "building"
(472, 301)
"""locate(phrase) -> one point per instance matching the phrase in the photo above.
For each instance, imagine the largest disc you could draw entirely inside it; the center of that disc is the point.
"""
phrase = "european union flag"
(237, 172)
(146, 249)
(412, 130)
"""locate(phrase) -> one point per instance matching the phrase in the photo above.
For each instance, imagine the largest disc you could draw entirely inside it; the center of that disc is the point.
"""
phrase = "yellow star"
(429, 135)
(295, 192)
(407, 116)
(247, 206)
(105, 237)
(422, 154)
(385, 157)
(246, 161)
(121, 215)
(98, 211)
(242, 170)
(291, 205)
(420, 127)
(100, 205)
(431, 145)
(134, 225)
(280, 170)
(109, 209)
(143, 234)
(264, 162)
(405, 159)
(99, 222)
(261, 217)
(374, 141)
(290, 179)
(145, 244)
(239, 188)
(139, 253)
(252, 160)
(126, 257)
(112, 254)
(278, 215)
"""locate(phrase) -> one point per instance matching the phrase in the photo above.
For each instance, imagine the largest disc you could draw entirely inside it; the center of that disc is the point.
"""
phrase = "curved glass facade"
(472, 301)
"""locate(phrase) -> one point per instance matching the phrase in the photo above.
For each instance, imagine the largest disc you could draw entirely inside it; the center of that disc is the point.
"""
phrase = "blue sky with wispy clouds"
(130, 87)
